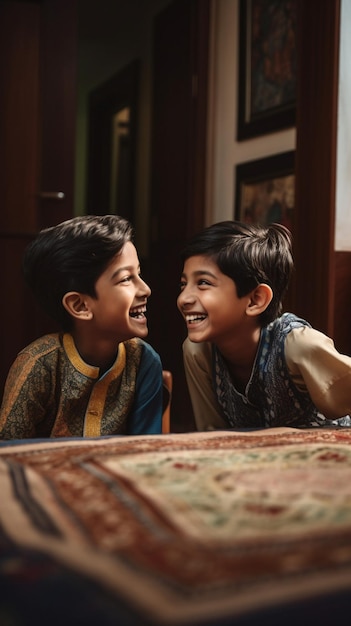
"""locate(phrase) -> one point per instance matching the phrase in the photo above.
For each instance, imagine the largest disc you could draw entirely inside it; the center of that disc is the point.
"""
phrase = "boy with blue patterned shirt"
(248, 366)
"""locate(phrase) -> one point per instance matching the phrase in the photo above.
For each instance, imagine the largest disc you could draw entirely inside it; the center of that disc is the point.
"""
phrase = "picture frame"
(267, 67)
(265, 190)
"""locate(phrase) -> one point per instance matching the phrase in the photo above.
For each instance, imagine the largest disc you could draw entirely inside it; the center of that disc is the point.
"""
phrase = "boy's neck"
(240, 376)
(98, 354)
(240, 355)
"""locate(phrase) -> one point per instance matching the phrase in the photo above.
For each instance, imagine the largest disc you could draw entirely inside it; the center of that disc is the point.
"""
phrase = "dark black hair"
(70, 257)
(249, 254)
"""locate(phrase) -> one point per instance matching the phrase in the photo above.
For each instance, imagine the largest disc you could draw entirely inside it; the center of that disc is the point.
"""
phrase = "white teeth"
(138, 311)
(195, 318)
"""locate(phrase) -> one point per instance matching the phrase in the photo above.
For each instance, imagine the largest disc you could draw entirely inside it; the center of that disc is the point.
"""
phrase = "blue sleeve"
(146, 414)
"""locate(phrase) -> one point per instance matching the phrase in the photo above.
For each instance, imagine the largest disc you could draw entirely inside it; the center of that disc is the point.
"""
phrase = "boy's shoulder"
(287, 322)
(43, 345)
(201, 351)
(136, 344)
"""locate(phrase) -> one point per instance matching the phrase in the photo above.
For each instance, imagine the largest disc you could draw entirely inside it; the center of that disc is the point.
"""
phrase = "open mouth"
(194, 319)
(138, 312)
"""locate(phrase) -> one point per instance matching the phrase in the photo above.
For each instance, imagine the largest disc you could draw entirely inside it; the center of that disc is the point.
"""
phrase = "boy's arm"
(315, 363)
(198, 371)
(24, 399)
(146, 415)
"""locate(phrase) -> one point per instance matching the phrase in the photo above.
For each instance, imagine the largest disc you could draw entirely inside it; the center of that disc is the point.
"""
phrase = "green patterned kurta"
(69, 399)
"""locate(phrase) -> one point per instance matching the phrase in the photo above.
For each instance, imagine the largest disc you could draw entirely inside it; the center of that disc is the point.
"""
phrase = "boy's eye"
(126, 279)
(203, 281)
(182, 285)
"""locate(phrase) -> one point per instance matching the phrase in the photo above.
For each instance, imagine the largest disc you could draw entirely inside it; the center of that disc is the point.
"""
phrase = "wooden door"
(323, 276)
(112, 144)
(37, 105)
(180, 68)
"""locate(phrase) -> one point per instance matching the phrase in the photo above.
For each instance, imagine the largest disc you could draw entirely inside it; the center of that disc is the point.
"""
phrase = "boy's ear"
(259, 300)
(76, 305)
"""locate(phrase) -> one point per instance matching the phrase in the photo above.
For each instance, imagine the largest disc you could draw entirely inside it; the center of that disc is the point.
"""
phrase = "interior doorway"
(112, 144)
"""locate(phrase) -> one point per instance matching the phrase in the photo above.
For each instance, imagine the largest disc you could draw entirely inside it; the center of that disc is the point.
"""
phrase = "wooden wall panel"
(180, 69)
(19, 119)
(318, 48)
(37, 138)
(342, 302)
(15, 327)
(58, 76)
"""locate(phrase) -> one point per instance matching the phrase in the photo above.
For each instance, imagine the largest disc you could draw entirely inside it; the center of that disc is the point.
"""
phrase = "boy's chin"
(196, 337)
(142, 332)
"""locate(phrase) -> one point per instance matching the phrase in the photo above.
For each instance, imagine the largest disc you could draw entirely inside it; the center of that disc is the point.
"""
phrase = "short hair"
(250, 255)
(70, 257)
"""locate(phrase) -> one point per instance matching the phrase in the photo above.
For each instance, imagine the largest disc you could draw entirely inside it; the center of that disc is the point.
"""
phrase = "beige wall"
(343, 178)
(224, 151)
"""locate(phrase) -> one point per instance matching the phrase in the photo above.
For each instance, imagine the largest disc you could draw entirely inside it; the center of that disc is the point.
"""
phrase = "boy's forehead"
(127, 257)
(127, 254)
(201, 263)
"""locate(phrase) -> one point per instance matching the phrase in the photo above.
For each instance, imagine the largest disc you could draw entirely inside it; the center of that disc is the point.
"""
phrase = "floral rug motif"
(186, 527)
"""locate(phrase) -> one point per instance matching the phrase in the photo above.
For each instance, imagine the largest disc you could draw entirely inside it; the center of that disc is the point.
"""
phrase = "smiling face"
(209, 303)
(118, 311)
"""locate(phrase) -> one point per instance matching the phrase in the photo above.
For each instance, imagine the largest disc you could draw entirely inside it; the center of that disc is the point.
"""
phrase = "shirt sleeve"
(198, 371)
(316, 365)
(146, 415)
(25, 398)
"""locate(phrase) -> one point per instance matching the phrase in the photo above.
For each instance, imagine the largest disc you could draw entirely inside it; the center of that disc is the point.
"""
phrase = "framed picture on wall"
(267, 67)
(265, 190)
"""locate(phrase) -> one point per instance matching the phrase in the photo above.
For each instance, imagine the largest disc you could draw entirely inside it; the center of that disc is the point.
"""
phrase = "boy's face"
(120, 306)
(208, 302)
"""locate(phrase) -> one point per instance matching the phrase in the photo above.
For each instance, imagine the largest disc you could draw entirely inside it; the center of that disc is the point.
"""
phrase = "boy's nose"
(185, 297)
(144, 288)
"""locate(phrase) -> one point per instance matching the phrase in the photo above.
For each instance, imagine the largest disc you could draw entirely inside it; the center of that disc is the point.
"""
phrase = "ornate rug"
(182, 529)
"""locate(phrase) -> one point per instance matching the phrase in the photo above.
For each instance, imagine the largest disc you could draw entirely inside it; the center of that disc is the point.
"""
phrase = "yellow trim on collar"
(95, 408)
(84, 368)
